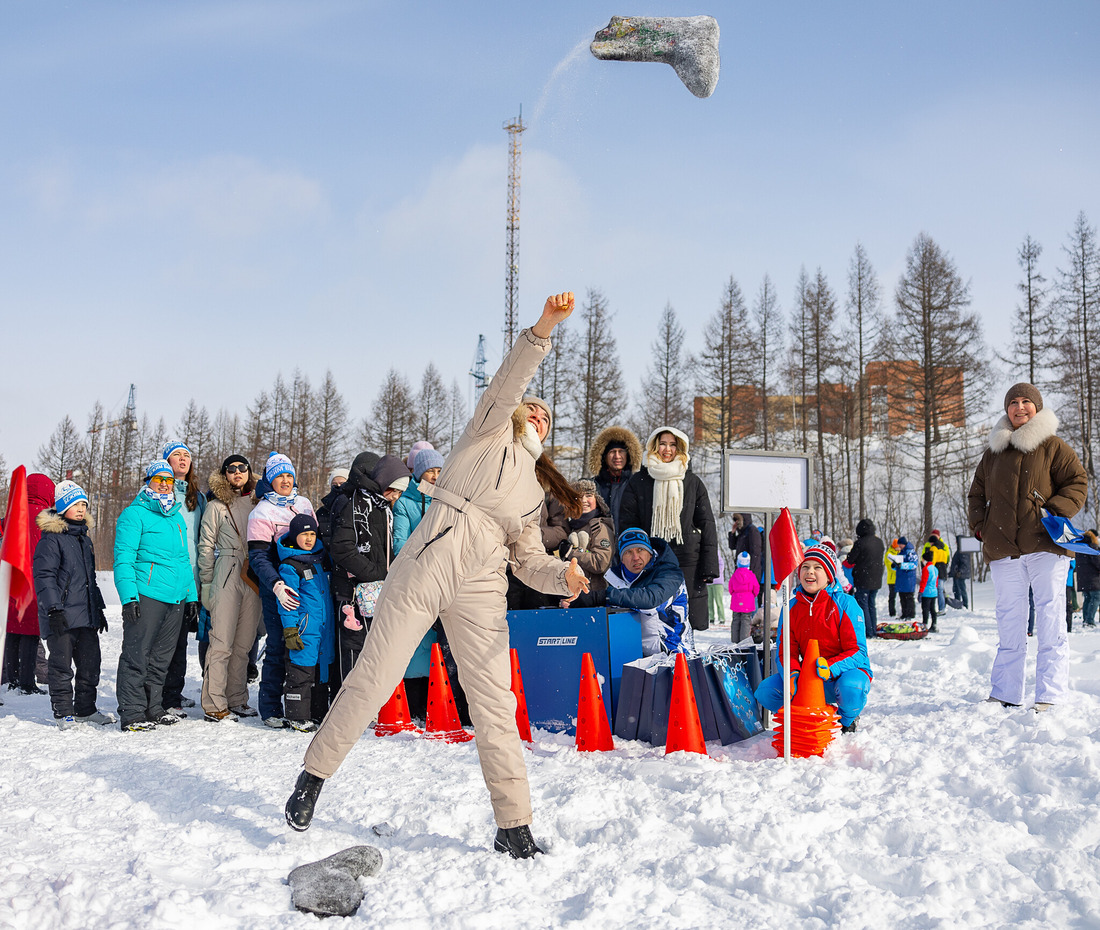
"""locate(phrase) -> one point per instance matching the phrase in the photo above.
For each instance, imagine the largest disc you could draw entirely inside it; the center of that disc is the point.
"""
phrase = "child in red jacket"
(821, 610)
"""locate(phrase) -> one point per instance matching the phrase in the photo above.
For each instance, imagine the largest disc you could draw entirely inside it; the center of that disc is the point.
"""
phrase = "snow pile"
(941, 811)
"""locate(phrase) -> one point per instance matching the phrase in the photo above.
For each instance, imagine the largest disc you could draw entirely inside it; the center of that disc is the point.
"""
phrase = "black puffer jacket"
(866, 557)
(1088, 566)
(698, 553)
(361, 527)
(64, 573)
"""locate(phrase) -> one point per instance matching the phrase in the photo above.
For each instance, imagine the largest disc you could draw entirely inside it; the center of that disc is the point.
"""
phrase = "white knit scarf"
(668, 496)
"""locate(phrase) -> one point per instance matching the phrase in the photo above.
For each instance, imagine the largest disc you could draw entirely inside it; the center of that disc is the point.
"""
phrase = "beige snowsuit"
(234, 607)
(484, 516)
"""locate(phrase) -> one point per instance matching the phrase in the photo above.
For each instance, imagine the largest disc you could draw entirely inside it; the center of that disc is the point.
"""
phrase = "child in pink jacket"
(744, 588)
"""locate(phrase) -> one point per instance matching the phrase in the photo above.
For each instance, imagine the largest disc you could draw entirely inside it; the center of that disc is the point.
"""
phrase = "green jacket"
(151, 554)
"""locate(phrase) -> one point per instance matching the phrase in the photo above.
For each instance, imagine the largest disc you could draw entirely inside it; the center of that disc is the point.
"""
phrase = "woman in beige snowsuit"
(484, 517)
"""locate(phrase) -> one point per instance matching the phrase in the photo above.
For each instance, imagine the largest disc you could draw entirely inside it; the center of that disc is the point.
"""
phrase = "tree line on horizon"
(825, 340)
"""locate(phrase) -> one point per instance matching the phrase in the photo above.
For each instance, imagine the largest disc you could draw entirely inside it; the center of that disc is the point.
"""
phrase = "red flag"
(16, 546)
(786, 547)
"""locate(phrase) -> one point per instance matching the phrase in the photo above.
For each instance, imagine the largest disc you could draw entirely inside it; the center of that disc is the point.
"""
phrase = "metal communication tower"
(477, 372)
(511, 286)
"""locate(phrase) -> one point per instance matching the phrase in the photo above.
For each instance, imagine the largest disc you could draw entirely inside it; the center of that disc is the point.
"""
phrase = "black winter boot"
(299, 806)
(517, 842)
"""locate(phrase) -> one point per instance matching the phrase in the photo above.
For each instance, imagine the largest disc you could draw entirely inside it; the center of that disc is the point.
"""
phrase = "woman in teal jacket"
(156, 584)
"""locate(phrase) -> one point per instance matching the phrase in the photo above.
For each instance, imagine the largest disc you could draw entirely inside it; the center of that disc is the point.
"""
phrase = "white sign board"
(761, 482)
(970, 544)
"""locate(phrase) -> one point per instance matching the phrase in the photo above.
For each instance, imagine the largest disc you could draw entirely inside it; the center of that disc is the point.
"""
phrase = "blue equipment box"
(551, 644)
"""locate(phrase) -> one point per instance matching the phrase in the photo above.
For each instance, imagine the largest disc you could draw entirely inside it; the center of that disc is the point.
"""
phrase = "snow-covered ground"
(942, 811)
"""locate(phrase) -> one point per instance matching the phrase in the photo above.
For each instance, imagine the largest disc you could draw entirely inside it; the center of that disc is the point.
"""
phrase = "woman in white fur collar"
(1025, 470)
(669, 501)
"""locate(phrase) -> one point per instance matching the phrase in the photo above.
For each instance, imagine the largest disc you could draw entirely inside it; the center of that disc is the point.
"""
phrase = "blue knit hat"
(159, 467)
(425, 459)
(744, 560)
(66, 494)
(278, 464)
(634, 538)
(173, 445)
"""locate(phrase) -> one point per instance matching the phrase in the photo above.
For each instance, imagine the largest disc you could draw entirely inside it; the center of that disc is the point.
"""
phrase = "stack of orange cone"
(442, 720)
(685, 732)
(523, 722)
(593, 728)
(813, 722)
(394, 716)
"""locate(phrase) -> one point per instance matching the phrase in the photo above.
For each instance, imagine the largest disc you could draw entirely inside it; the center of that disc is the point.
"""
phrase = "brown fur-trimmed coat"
(611, 489)
(1022, 471)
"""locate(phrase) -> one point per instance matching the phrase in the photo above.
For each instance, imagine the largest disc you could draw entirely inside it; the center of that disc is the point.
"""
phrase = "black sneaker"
(849, 727)
(300, 804)
(138, 726)
(517, 842)
(166, 720)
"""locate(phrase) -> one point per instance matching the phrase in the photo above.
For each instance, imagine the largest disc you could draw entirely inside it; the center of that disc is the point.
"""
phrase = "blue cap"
(633, 538)
(66, 494)
(278, 464)
(173, 445)
(159, 467)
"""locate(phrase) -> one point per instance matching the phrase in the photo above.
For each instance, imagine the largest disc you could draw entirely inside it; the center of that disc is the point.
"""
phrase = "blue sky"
(196, 196)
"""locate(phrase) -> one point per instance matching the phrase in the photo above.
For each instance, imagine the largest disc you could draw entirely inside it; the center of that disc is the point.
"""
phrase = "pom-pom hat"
(823, 557)
(277, 464)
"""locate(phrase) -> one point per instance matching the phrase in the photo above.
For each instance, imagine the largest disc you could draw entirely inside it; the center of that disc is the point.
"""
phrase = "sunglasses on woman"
(234, 469)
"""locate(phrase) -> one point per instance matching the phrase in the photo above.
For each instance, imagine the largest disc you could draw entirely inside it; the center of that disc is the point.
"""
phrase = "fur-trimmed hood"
(222, 491)
(1026, 438)
(606, 437)
(50, 521)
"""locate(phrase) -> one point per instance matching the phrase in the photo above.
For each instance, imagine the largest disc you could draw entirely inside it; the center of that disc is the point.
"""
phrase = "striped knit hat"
(823, 557)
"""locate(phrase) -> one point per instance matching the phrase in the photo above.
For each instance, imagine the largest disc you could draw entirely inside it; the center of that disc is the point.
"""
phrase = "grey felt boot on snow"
(331, 887)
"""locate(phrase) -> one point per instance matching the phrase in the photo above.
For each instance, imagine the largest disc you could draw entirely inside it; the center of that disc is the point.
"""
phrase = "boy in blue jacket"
(905, 580)
(309, 628)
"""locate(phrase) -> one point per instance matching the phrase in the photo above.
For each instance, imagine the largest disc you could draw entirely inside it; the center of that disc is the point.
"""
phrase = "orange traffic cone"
(523, 722)
(394, 717)
(442, 722)
(813, 722)
(685, 732)
(593, 728)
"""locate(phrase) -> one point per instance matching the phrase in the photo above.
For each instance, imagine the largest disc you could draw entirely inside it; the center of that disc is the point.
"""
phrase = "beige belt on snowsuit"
(462, 504)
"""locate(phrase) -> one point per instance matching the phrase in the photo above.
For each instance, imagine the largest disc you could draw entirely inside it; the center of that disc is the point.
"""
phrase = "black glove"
(564, 548)
(191, 616)
(57, 619)
(101, 622)
(131, 612)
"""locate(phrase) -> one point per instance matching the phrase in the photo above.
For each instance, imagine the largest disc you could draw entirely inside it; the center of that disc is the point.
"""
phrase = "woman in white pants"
(1026, 468)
